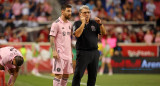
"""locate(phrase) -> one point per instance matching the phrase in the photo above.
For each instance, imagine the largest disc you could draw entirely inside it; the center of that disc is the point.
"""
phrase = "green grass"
(103, 80)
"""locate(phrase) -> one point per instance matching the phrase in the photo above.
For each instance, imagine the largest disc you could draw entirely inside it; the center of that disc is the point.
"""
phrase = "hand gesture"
(55, 55)
(97, 20)
(83, 19)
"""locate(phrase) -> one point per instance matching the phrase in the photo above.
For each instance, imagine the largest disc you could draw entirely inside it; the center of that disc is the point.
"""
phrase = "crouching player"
(11, 59)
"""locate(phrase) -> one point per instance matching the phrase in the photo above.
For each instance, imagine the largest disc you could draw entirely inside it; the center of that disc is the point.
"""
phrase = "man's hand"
(55, 55)
(83, 20)
(97, 20)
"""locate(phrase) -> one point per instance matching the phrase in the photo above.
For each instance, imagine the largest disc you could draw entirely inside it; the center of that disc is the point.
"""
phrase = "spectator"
(136, 3)
(8, 33)
(45, 32)
(150, 7)
(157, 39)
(25, 9)
(148, 38)
(119, 18)
(111, 14)
(42, 38)
(17, 9)
(14, 38)
(103, 14)
(138, 14)
(140, 36)
(42, 18)
(119, 38)
(94, 13)
(133, 37)
(124, 33)
(128, 16)
(32, 6)
(79, 4)
(2, 39)
(99, 5)
(47, 9)
(91, 4)
(127, 40)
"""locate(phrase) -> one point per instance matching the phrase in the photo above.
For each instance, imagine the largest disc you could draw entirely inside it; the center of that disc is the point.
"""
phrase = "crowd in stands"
(122, 11)
(14, 13)
(22, 13)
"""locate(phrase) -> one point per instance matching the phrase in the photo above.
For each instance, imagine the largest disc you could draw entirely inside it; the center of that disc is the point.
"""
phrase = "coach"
(86, 31)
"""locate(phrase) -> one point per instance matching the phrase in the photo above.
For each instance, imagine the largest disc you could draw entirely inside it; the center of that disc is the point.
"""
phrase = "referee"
(86, 31)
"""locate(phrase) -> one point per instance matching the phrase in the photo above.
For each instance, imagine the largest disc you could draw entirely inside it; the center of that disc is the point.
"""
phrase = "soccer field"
(102, 80)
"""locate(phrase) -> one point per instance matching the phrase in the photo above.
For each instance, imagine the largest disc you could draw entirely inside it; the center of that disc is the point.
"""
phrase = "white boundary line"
(70, 81)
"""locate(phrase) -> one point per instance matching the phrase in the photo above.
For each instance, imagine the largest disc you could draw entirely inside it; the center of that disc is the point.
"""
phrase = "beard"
(68, 17)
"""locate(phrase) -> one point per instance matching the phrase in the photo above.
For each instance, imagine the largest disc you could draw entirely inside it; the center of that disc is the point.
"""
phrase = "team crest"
(58, 69)
(68, 33)
(93, 28)
(62, 27)
(64, 33)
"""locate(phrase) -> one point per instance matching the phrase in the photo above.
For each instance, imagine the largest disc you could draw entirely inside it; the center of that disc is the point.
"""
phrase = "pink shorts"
(106, 60)
(61, 66)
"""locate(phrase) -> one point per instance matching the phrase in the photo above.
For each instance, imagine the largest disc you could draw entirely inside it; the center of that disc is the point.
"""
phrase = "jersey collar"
(62, 20)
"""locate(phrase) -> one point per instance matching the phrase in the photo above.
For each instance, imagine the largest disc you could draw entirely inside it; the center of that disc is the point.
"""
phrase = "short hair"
(63, 7)
(83, 7)
(19, 60)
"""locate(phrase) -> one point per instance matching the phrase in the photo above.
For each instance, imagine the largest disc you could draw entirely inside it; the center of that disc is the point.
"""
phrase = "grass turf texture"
(102, 80)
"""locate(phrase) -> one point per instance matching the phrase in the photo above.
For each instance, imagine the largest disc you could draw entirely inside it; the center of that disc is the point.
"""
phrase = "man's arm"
(102, 29)
(79, 31)
(52, 41)
(13, 76)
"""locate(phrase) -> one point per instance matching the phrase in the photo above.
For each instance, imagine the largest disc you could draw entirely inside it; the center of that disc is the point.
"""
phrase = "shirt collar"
(62, 20)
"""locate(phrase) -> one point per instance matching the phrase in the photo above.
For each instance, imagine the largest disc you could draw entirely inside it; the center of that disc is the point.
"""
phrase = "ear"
(62, 11)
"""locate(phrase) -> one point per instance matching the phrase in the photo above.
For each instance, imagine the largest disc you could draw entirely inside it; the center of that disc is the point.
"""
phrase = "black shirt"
(89, 37)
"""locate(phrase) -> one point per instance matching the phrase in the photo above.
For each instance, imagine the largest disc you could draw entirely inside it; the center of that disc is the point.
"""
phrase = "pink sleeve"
(54, 29)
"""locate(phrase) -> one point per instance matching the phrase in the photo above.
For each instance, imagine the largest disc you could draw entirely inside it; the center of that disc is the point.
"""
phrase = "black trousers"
(89, 60)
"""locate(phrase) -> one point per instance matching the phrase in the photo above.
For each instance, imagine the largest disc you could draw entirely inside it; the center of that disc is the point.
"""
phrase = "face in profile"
(67, 13)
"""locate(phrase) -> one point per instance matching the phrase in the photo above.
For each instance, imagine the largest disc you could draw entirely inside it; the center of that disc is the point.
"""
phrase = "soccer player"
(11, 59)
(60, 39)
(86, 32)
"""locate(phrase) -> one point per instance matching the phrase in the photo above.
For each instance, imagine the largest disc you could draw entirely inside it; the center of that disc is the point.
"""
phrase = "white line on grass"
(70, 81)
(23, 83)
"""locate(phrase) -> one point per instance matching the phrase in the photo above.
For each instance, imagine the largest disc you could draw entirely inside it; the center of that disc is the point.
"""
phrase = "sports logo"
(68, 33)
(62, 27)
(58, 69)
(93, 28)
(58, 51)
(64, 33)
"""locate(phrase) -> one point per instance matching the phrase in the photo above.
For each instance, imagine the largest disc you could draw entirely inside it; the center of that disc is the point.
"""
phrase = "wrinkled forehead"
(85, 10)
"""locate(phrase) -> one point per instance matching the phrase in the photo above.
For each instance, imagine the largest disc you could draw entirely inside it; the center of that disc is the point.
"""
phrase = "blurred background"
(133, 37)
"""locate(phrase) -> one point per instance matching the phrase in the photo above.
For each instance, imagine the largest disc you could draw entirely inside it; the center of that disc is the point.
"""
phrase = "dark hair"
(63, 7)
(19, 60)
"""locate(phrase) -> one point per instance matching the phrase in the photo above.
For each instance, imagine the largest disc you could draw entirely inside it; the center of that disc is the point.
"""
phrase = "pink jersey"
(62, 33)
(7, 55)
